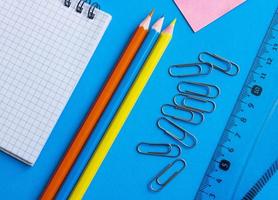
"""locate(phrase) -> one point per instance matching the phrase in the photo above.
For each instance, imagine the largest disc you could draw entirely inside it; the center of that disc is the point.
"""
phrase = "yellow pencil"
(122, 113)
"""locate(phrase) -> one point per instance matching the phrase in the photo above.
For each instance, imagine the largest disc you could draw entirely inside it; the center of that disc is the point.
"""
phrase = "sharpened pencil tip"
(157, 26)
(146, 22)
(151, 13)
(170, 28)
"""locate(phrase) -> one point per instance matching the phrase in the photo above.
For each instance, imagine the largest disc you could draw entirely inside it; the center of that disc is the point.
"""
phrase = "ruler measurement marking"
(243, 101)
(267, 43)
(229, 131)
(261, 58)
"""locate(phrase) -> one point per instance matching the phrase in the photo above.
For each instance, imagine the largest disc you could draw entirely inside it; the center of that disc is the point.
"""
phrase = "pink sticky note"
(200, 13)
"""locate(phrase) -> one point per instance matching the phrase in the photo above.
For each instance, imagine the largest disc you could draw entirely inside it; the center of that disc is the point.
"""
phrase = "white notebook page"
(44, 49)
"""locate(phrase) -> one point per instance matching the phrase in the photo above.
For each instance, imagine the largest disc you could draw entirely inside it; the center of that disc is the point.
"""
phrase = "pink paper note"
(200, 13)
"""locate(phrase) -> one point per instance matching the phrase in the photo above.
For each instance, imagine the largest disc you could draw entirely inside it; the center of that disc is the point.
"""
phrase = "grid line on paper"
(45, 48)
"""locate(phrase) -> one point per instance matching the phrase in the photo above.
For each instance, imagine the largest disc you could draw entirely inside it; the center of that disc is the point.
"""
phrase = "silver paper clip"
(194, 117)
(229, 63)
(164, 150)
(196, 99)
(156, 184)
(186, 136)
(198, 69)
(205, 86)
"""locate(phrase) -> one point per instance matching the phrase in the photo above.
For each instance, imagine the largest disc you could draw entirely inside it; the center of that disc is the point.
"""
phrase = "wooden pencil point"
(170, 28)
(158, 24)
(151, 13)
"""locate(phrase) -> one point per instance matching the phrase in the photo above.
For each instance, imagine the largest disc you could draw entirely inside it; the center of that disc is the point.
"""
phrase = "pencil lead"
(174, 22)
(151, 13)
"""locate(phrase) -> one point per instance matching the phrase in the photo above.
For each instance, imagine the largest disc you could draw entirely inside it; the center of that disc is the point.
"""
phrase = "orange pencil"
(96, 111)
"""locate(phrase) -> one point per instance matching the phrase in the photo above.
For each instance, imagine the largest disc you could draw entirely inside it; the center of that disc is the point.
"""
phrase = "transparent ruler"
(252, 110)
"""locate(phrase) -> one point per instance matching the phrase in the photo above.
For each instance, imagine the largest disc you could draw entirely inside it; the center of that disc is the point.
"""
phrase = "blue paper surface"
(124, 173)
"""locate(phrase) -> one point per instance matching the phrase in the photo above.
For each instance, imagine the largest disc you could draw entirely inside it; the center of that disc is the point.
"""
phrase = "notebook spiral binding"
(80, 5)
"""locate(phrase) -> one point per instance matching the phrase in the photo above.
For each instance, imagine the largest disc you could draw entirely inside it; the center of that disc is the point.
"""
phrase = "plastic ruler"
(254, 105)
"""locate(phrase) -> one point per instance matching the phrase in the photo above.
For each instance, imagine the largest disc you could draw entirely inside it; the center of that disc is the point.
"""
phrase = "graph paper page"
(44, 49)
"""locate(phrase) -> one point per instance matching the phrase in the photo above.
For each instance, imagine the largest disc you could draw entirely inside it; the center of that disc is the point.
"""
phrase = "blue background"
(124, 174)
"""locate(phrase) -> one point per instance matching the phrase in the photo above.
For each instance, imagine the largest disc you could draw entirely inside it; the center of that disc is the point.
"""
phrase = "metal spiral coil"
(80, 5)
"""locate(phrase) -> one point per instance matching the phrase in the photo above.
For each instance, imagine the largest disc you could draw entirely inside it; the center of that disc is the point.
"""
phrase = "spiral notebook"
(45, 45)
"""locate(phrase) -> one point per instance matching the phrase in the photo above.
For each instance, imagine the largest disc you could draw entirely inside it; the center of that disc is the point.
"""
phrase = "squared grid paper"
(44, 49)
